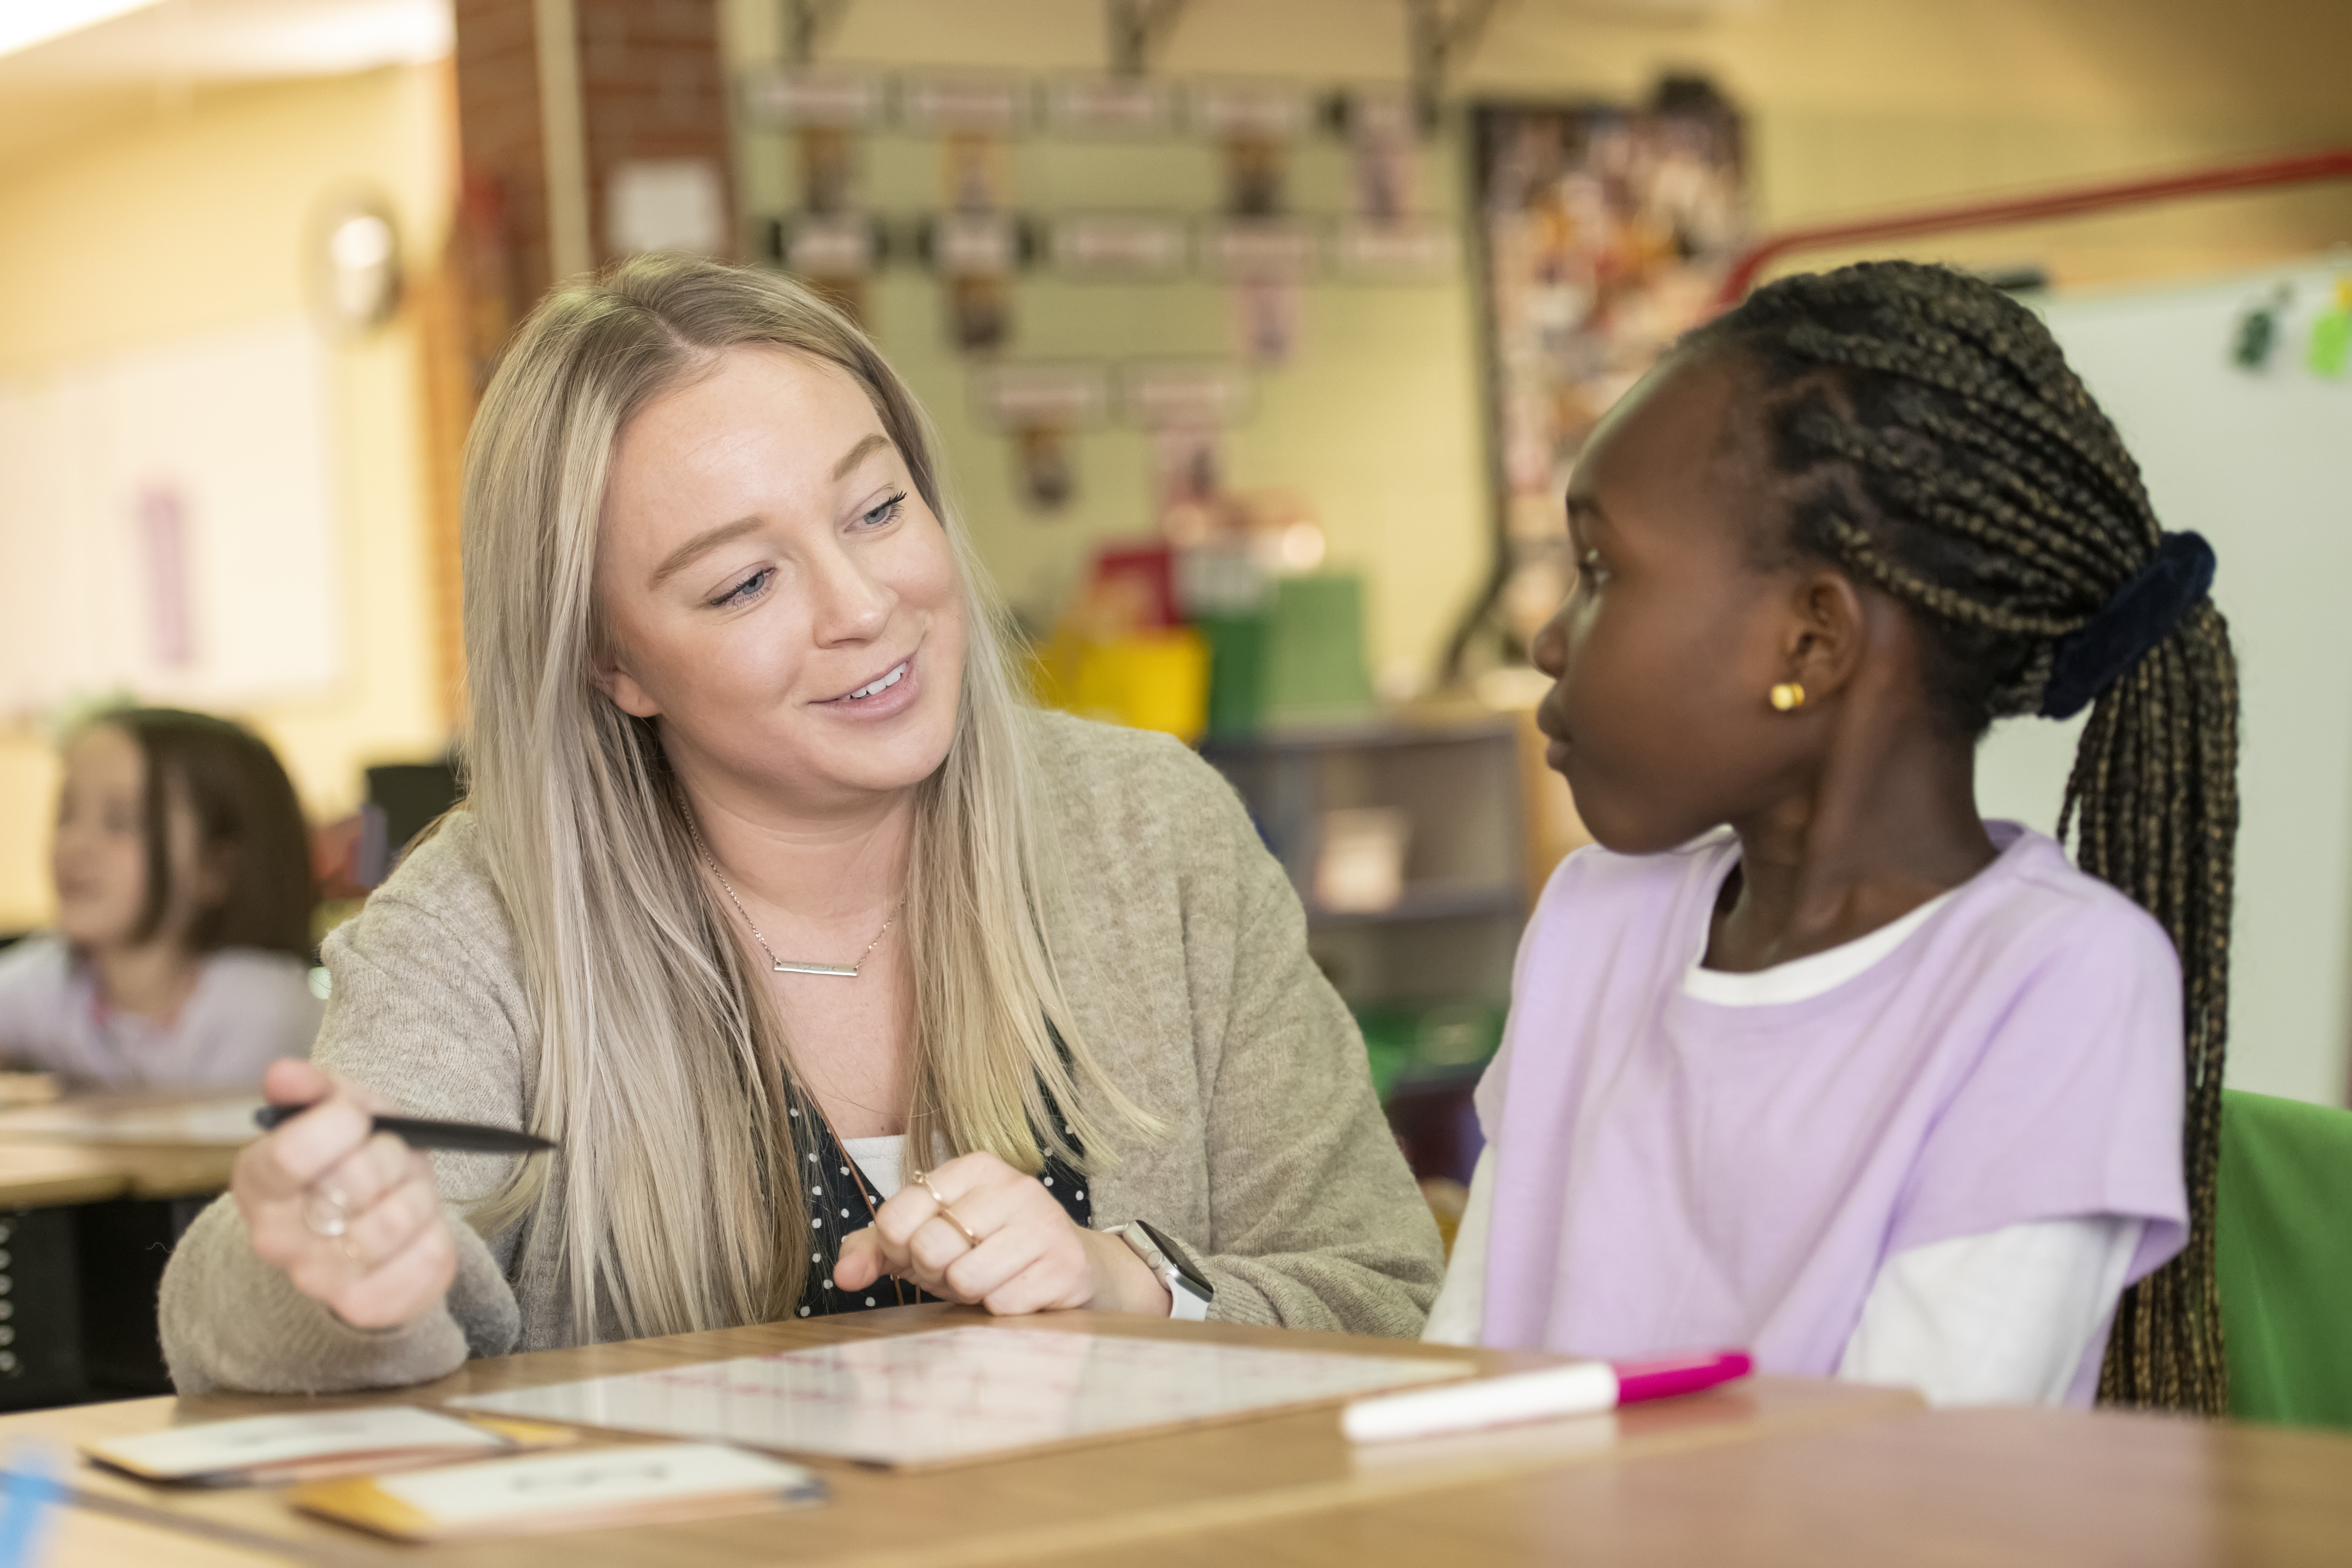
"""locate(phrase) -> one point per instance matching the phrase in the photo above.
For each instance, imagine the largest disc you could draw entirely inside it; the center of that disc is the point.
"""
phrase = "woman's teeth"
(884, 685)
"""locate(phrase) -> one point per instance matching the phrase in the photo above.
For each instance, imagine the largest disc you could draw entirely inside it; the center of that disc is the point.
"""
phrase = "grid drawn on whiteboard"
(954, 1395)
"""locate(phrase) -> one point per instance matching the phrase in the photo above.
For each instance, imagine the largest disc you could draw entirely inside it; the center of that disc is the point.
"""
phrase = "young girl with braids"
(1862, 1080)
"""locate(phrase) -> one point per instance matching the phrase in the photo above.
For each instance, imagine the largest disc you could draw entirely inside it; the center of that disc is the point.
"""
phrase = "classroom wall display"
(1381, 129)
(1262, 110)
(1120, 245)
(972, 105)
(1394, 250)
(1185, 392)
(776, 96)
(1604, 232)
(167, 526)
(1115, 107)
(1138, 223)
(1042, 407)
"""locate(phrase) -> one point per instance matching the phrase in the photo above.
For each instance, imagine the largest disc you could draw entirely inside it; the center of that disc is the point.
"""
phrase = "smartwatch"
(1188, 1291)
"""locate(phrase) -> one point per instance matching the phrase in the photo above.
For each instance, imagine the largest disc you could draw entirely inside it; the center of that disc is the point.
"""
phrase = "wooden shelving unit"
(1449, 938)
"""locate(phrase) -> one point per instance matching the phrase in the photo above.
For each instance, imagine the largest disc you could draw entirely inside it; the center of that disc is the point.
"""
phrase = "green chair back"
(2282, 1252)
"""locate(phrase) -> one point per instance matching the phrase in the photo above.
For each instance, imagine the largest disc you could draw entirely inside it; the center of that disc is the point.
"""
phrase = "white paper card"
(959, 1394)
(266, 1440)
(606, 1479)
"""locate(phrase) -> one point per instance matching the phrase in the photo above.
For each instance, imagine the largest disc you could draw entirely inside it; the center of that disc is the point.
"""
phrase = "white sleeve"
(1459, 1315)
(2016, 1316)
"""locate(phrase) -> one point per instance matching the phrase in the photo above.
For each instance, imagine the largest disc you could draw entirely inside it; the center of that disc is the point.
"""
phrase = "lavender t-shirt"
(1675, 1174)
(248, 1009)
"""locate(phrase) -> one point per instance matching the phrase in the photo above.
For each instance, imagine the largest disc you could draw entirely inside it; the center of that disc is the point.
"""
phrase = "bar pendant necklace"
(788, 965)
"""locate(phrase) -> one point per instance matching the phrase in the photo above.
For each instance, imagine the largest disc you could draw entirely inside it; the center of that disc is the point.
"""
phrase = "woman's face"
(99, 859)
(778, 594)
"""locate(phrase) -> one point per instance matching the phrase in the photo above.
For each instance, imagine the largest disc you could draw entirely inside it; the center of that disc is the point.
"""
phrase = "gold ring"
(951, 1216)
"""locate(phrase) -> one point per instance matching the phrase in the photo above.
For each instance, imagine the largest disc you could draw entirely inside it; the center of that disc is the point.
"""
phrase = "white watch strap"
(1183, 1306)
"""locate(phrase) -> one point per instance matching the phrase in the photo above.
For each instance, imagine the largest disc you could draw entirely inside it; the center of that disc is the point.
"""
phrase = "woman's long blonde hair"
(663, 1070)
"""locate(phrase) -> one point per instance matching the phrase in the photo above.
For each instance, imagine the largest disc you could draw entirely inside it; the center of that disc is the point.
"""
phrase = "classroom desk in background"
(1774, 1470)
(87, 1221)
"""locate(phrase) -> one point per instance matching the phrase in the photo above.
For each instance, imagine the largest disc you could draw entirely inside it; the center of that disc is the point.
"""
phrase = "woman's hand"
(1029, 1256)
(352, 1215)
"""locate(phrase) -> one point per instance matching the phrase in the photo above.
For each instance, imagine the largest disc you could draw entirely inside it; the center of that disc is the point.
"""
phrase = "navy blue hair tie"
(2142, 613)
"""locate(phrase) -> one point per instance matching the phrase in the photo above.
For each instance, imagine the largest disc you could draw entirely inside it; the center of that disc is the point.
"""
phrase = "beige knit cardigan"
(1183, 953)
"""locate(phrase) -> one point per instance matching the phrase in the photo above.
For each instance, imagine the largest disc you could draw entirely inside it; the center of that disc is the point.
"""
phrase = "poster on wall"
(1605, 233)
(1043, 408)
(167, 527)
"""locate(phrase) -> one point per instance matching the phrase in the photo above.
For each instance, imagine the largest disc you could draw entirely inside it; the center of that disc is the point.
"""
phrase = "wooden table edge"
(1152, 1522)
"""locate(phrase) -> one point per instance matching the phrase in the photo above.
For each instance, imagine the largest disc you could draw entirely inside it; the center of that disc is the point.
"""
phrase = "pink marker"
(1578, 1388)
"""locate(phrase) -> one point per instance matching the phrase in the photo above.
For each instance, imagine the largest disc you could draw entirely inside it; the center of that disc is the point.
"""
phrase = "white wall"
(2261, 465)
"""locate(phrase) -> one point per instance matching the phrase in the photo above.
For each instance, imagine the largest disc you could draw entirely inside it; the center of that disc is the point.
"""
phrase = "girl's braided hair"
(1932, 442)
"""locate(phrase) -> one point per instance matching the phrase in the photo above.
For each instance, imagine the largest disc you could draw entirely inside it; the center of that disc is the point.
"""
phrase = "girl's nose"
(1550, 650)
(847, 603)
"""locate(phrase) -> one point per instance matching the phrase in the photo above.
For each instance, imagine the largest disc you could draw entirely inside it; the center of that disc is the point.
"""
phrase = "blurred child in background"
(181, 956)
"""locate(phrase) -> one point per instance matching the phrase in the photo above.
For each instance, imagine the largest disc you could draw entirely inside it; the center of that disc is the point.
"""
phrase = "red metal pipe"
(2336, 164)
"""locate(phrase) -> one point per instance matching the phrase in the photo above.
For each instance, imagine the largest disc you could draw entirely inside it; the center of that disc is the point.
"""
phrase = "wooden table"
(1771, 1471)
(56, 1175)
(93, 1193)
(1106, 1498)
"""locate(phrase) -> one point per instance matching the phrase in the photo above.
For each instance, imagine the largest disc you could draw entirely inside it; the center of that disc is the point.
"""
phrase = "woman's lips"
(892, 692)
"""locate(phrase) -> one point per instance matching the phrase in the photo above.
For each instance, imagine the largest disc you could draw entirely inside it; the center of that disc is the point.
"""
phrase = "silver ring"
(326, 1211)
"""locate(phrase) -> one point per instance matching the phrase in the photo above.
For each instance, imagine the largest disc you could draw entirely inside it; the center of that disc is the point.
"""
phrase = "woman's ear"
(1827, 632)
(612, 678)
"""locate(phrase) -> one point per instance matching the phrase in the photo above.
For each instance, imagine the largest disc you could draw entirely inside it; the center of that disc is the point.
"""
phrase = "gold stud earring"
(1788, 696)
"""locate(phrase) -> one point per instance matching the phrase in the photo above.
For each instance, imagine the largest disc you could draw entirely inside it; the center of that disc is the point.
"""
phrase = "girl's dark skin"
(1852, 811)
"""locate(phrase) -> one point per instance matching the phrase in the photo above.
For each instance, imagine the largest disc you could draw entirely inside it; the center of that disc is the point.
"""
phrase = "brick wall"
(499, 135)
(652, 86)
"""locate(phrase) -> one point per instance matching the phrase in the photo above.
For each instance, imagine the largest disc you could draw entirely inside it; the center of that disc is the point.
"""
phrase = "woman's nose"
(849, 603)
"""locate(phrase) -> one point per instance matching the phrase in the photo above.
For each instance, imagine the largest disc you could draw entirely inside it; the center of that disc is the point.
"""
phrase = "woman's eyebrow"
(856, 453)
(679, 560)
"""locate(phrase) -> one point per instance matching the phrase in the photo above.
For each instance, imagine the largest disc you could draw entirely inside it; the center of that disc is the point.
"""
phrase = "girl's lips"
(895, 697)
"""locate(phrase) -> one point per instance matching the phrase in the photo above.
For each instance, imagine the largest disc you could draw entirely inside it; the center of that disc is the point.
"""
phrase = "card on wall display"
(954, 1396)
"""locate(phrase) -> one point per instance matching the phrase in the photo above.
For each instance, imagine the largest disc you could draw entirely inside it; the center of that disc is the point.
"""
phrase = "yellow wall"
(195, 222)
(1854, 106)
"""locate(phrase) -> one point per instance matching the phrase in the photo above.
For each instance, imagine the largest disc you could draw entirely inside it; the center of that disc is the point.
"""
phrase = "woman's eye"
(1588, 568)
(885, 512)
(746, 591)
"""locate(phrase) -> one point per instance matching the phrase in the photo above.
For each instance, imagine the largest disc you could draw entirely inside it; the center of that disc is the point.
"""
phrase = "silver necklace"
(786, 966)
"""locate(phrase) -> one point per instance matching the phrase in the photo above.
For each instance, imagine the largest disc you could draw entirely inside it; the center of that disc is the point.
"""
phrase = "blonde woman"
(842, 977)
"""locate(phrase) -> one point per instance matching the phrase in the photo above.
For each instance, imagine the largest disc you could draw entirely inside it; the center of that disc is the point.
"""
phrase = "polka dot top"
(841, 1200)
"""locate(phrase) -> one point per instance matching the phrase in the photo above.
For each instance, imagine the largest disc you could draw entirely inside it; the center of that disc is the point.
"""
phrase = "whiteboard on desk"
(166, 525)
(953, 1396)
(2261, 464)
